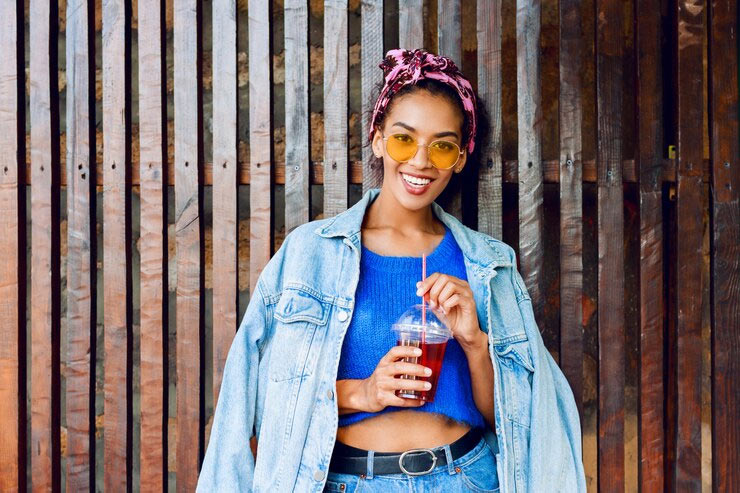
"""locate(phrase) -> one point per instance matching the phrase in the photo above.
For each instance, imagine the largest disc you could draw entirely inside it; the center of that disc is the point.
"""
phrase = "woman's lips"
(412, 189)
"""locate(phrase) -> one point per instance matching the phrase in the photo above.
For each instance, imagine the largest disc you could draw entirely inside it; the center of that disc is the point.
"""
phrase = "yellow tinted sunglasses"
(443, 154)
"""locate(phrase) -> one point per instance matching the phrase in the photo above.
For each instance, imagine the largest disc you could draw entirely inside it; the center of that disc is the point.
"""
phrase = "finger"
(409, 384)
(402, 368)
(447, 291)
(398, 352)
(423, 286)
(451, 302)
(437, 288)
(394, 400)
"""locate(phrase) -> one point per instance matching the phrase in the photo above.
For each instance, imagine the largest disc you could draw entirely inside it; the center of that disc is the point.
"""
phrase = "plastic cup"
(428, 331)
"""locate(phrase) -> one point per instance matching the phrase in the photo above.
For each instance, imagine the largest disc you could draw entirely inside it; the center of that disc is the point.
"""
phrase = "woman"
(313, 371)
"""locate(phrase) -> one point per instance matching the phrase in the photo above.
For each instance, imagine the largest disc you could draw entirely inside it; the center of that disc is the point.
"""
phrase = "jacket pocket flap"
(298, 305)
(515, 348)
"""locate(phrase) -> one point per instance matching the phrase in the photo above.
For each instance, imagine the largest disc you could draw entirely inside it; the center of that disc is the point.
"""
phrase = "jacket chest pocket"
(516, 362)
(298, 317)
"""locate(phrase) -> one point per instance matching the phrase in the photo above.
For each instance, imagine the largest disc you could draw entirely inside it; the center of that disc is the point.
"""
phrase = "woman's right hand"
(379, 389)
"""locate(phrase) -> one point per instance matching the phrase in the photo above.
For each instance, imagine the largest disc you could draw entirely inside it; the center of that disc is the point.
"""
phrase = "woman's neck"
(386, 212)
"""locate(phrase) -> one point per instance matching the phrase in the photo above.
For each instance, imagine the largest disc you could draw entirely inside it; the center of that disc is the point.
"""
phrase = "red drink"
(431, 357)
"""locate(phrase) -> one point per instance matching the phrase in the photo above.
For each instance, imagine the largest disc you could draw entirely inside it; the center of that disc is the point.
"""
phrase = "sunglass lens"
(443, 154)
(401, 147)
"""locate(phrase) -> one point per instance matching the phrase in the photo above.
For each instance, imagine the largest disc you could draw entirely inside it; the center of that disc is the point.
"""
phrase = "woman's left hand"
(454, 298)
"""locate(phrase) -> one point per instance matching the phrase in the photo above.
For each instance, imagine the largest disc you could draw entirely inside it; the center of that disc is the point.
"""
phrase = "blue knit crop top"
(386, 289)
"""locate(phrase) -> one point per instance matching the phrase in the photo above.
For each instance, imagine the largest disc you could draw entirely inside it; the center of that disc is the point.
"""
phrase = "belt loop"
(370, 461)
(448, 456)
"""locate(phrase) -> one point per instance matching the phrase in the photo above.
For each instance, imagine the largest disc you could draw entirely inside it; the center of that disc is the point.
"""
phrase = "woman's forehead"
(425, 113)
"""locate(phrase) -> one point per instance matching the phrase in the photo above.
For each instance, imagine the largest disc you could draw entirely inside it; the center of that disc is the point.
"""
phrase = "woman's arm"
(481, 377)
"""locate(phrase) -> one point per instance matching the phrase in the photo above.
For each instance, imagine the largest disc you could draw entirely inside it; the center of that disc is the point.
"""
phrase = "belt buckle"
(421, 473)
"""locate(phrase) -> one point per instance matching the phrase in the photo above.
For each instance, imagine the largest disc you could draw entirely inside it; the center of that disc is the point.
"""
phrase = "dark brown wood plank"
(188, 233)
(610, 245)
(531, 228)
(410, 24)
(372, 54)
(45, 278)
(12, 243)
(449, 35)
(571, 206)
(297, 186)
(649, 153)
(261, 237)
(490, 210)
(81, 319)
(224, 186)
(725, 227)
(116, 248)
(686, 469)
(153, 246)
(336, 104)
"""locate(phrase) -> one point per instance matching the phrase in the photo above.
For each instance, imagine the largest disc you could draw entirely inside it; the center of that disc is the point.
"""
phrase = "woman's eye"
(444, 146)
(403, 138)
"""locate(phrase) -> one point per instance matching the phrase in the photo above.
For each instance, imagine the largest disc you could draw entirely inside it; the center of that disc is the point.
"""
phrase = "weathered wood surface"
(410, 24)
(372, 54)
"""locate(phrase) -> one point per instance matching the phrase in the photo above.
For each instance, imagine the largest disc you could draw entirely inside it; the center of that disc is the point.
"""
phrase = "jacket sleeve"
(229, 463)
(555, 450)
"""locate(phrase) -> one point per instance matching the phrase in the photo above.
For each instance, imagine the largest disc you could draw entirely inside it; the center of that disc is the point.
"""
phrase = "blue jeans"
(474, 471)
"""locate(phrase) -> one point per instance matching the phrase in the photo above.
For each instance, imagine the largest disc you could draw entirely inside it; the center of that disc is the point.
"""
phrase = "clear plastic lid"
(431, 322)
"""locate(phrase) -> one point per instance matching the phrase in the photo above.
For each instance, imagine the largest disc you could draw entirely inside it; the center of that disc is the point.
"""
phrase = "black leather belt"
(415, 462)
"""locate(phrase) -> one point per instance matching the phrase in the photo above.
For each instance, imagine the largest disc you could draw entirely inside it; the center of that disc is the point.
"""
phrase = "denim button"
(330, 394)
(318, 475)
(342, 316)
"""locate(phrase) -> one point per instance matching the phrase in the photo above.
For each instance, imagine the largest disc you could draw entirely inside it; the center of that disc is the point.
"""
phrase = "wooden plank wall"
(670, 255)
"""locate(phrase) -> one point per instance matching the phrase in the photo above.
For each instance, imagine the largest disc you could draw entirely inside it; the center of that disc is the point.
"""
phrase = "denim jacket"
(279, 381)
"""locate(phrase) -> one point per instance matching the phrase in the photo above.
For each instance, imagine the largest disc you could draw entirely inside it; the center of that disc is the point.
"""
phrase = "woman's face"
(426, 118)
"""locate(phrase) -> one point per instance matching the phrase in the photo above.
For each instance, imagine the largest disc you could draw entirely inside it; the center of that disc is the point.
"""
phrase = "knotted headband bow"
(404, 67)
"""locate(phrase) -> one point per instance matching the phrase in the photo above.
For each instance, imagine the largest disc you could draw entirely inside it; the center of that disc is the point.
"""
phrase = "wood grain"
(649, 96)
(725, 234)
(571, 204)
(690, 33)
(490, 210)
(372, 55)
(81, 309)
(530, 177)
(189, 240)
(336, 99)
(116, 248)
(410, 24)
(610, 245)
(12, 250)
(45, 276)
(153, 246)
(297, 129)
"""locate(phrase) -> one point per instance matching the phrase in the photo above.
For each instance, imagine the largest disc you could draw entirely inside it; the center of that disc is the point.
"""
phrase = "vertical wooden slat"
(12, 251)
(224, 186)
(45, 308)
(297, 158)
(188, 232)
(725, 227)
(449, 31)
(489, 88)
(260, 142)
(571, 206)
(153, 245)
(649, 161)
(116, 249)
(81, 322)
(610, 245)
(410, 24)
(529, 109)
(372, 54)
(686, 469)
(336, 102)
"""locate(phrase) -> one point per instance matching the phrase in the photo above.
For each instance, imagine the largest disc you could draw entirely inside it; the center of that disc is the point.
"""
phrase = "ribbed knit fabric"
(386, 289)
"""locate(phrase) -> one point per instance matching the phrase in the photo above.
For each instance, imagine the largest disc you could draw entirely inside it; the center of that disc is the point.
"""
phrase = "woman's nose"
(421, 158)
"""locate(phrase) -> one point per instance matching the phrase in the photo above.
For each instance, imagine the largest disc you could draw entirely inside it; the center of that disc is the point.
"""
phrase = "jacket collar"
(481, 250)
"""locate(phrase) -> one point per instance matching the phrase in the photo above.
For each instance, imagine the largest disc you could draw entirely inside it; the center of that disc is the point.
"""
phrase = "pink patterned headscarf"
(404, 67)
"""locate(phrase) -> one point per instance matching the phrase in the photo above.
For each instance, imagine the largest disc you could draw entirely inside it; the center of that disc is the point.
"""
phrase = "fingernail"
(427, 385)
(418, 284)
(427, 371)
(417, 352)
(418, 292)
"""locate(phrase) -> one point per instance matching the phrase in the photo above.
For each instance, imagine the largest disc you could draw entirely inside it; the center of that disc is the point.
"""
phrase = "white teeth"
(412, 180)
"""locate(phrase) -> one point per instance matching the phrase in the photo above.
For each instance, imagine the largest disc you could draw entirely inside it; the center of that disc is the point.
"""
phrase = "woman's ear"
(377, 144)
(461, 164)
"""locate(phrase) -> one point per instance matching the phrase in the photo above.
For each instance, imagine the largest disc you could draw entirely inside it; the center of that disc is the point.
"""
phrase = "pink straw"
(423, 278)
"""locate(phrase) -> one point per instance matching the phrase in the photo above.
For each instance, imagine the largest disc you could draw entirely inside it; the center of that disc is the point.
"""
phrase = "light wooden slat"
(490, 210)
(260, 146)
(529, 113)
(188, 232)
(116, 250)
(686, 470)
(81, 320)
(45, 278)
(571, 192)
(224, 186)
(297, 185)
(336, 103)
(410, 24)
(725, 271)
(649, 152)
(153, 246)
(12, 243)
(372, 55)
(610, 246)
